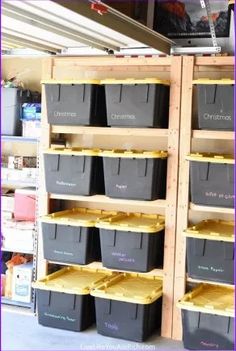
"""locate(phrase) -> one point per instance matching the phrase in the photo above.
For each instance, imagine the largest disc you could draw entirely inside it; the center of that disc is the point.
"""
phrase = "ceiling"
(67, 27)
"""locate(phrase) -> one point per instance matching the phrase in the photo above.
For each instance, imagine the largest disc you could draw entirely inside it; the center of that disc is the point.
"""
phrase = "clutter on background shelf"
(31, 117)
(13, 96)
(16, 260)
(18, 235)
(20, 162)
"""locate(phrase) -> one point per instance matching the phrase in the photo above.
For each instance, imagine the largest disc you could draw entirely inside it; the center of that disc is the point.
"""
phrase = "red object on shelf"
(25, 204)
(99, 8)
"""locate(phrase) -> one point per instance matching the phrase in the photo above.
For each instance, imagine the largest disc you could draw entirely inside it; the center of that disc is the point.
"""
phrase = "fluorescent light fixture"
(73, 24)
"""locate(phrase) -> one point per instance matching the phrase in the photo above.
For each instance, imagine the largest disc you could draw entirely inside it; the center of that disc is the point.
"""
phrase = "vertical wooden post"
(171, 196)
(45, 141)
(183, 191)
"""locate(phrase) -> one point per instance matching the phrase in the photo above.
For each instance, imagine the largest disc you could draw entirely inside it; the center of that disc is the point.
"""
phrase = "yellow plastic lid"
(75, 151)
(208, 81)
(74, 280)
(133, 222)
(210, 157)
(77, 217)
(135, 81)
(209, 298)
(70, 81)
(212, 229)
(133, 154)
(131, 287)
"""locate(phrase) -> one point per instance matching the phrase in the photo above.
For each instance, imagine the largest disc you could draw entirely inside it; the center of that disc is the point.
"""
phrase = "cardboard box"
(31, 129)
(18, 236)
(20, 162)
(7, 200)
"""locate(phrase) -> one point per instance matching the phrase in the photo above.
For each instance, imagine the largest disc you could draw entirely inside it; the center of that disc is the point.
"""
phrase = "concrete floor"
(22, 332)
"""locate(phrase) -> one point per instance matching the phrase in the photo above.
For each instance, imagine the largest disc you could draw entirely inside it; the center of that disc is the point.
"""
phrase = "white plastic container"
(10, 111)
(21, 282)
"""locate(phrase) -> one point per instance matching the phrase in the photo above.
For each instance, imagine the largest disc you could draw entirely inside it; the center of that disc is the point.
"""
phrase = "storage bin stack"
(208, 311)
(74, 171)
(129, 306)
(210, 251)
(208, 318)
(137, 102)
(212, 179)
(71, 236)
(215, 104)
(129, 241)
(132, 241)
(80, 103)
(64, 299)
(131, 174)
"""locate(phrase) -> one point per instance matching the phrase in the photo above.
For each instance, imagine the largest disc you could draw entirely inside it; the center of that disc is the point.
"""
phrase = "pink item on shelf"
(3, 282)
(25, 204)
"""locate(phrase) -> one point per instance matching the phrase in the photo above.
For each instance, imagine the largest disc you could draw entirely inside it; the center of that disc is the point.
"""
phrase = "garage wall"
(27, 69)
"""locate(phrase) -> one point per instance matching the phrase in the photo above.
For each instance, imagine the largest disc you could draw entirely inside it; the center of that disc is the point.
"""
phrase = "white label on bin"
(112, 326)
(122, 257)
(210, 268)
(207, 116)
(58, 316)
(220, 196)
(64, 114)
(209, 344)
(116, 116)
(63, 253)
(65, 183)
(121, 186)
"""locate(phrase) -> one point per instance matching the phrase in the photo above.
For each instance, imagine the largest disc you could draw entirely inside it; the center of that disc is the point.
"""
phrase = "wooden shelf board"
(29, 252)
(213, 134)
(16, 184)
(98, 265)
(8, 301)
(214, 61)
(17, 139)
(211, 209)
(145, 132)
(106, 200)
(191, 280)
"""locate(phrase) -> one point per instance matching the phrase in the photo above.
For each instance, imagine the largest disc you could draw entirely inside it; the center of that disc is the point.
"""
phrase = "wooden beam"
(45, 140)
(171, 196)
(183, 191)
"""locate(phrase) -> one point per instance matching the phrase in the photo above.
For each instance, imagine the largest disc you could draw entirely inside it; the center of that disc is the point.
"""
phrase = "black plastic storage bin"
(64, 299)
(137, 102)
(73, 171)
(212, 179)
(129, 306)
(75, 102)
(210, 251)
(215, 104)
(132, 241)
(70, 236)
(135, 175)
(208, 318)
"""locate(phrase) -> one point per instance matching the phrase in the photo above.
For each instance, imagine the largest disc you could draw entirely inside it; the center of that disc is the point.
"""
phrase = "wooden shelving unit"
(192, 140)
(169, 68)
